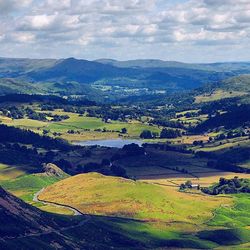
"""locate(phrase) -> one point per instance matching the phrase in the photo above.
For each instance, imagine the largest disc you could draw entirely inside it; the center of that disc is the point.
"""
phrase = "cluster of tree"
(211, 108)
(170, 133)
(198, 143)
(31, 114)
(236, 155)
(25, 98)
(188, 114)
(224, 164)
(16, 135)
(165, 122)
(74, 109)
(133, 150)
(22, 112)
(229, 186)
(13, 112)
(232, 134)
(22, 155)
(167, 147)
(147, 134)
(236, 116)
(165, 133)
(121, 113)
(105, 167)
(58, 118)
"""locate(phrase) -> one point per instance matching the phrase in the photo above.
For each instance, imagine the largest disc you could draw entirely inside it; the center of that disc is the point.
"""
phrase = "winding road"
(36, 199)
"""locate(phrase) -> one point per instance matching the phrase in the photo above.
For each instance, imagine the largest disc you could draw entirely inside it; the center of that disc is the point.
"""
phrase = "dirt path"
(36, 199)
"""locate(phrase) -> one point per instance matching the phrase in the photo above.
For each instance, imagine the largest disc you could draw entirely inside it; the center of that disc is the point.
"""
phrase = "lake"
(113, 143)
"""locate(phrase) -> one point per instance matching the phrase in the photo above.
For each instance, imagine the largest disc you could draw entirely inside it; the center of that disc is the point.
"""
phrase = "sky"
(176, 30)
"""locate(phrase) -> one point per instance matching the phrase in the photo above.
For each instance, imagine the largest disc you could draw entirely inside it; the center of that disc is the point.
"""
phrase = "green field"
(86, 126)
(237, 216)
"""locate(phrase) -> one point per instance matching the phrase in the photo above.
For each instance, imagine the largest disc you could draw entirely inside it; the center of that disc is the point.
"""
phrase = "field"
(222, 145)
(193, 120)
(96, 194)
(168, 168)
(217, 95)
(86, 128)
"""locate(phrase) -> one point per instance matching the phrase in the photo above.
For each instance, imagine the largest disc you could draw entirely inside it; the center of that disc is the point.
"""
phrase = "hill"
(154, 63)
(83, 71)
(238, 86)
(14, 86)
(105, 195)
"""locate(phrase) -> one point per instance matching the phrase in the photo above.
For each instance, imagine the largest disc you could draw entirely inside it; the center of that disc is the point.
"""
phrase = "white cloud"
(100, 26)
(23, 37)
(7, 6)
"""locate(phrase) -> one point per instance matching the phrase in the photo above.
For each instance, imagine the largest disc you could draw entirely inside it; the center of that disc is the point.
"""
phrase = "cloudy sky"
(182, 30)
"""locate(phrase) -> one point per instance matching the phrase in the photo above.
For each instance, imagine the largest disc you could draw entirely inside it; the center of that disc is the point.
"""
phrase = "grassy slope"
(96, 194)
(26, 186)
(232, 87)
(171, 218)
(218, 95)
(237, 216)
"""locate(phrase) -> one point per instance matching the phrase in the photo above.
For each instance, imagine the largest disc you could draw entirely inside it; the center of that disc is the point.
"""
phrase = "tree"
(133, 149)
(146, 134)
(118, 171)
(182, 186)
(105, 162)
(124, 131)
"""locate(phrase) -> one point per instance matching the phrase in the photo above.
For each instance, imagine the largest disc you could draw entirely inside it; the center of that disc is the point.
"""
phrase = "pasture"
(217, 95)
(112, 196)
(166, 216)
(84, 127)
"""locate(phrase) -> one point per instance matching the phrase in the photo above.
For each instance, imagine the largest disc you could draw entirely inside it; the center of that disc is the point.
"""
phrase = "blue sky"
(179, 30)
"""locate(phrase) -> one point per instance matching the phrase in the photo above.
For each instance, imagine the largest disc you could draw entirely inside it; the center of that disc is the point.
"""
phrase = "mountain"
(110, 79)
(150, 63)
(81, 71)
(238, 83)
(153, 63)
(15, 67)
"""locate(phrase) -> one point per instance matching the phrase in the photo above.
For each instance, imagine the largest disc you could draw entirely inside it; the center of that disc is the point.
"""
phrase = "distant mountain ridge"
(156, 63)
(79, 77)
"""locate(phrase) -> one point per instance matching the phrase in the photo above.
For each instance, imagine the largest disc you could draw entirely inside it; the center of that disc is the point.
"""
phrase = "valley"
(133, 170)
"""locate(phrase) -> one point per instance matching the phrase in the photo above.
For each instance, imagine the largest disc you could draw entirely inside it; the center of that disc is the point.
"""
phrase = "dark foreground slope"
(27, 228)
